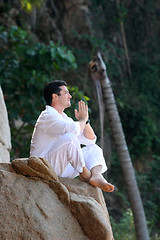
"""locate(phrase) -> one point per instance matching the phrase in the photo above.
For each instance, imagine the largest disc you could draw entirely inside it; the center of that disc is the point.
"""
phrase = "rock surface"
(5, 137)
(36, 204)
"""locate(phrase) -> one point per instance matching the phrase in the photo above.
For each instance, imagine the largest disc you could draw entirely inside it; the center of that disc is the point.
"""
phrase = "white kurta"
(57, 138)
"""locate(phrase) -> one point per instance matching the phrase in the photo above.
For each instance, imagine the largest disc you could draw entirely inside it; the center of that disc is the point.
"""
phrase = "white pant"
(68, 158)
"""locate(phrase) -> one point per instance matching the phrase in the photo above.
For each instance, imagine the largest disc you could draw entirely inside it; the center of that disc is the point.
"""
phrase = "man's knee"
(94, 149)
(98, 149)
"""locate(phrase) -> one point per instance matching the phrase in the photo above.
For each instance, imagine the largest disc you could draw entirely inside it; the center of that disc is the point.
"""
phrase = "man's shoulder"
(49, 111)
(46, 114)
(64, 115)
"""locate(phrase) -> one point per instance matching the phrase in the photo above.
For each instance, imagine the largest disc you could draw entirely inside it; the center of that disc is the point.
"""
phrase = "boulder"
(34, 167)
(36, 204)
(5, 136)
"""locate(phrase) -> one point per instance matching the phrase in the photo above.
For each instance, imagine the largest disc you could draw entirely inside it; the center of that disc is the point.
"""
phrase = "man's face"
(64, 98)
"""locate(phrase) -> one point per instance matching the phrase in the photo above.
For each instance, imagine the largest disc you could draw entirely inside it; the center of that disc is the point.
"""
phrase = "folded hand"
(82, 112)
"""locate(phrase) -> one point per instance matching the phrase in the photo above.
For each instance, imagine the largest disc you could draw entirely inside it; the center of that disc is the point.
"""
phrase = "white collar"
(50, 109)
(53, 110)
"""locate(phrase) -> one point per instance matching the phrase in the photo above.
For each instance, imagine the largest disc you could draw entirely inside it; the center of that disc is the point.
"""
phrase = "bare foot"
(99, 181)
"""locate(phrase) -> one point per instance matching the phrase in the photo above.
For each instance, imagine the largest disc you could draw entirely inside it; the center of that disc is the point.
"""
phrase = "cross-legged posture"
(58, 138)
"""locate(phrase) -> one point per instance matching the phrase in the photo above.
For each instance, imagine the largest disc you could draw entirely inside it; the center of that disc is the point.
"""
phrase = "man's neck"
(58, 108)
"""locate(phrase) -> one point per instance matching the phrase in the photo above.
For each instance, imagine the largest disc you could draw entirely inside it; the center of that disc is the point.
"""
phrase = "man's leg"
(85, 175)
(95, 162)
(70, 172)
(66, 157)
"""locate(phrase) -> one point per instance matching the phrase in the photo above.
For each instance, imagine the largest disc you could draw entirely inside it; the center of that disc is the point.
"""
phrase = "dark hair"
(52, 87)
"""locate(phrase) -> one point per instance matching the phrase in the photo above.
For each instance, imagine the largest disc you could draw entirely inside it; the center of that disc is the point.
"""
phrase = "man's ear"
(54, 97)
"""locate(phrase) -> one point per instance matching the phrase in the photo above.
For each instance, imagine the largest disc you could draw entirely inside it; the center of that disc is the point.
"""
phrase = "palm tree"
(97, 72)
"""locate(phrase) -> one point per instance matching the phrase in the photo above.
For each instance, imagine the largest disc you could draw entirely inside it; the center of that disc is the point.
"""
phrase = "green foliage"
(139, 108)
(124, 230)
(149, 184)
(138, 101)
(28, 5)
(24, 70)
(141, 140)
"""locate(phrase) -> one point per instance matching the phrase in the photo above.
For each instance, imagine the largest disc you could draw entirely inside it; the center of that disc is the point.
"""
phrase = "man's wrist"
(88, 121)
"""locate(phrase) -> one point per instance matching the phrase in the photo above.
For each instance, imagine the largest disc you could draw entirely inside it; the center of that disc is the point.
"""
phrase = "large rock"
(36, 204)
(5, 137)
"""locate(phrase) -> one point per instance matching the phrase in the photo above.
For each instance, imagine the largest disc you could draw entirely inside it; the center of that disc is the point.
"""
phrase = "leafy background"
(28, 64)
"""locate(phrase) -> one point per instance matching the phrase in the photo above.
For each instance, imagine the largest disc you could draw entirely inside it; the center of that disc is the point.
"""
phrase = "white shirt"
(49, 127)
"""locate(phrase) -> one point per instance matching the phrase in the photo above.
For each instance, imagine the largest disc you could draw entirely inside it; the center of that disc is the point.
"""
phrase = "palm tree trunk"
(97, 71)
(101, 110)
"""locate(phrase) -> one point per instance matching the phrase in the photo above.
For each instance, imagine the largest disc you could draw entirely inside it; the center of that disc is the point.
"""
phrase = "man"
(57, 138)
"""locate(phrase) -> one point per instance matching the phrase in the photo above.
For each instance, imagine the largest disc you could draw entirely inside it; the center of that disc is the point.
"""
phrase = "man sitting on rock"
(57, 138)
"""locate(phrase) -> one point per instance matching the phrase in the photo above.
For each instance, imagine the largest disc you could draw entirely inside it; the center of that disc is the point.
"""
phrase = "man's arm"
(55, 124)
(82, 117)
(88, 132)
(82, 114)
